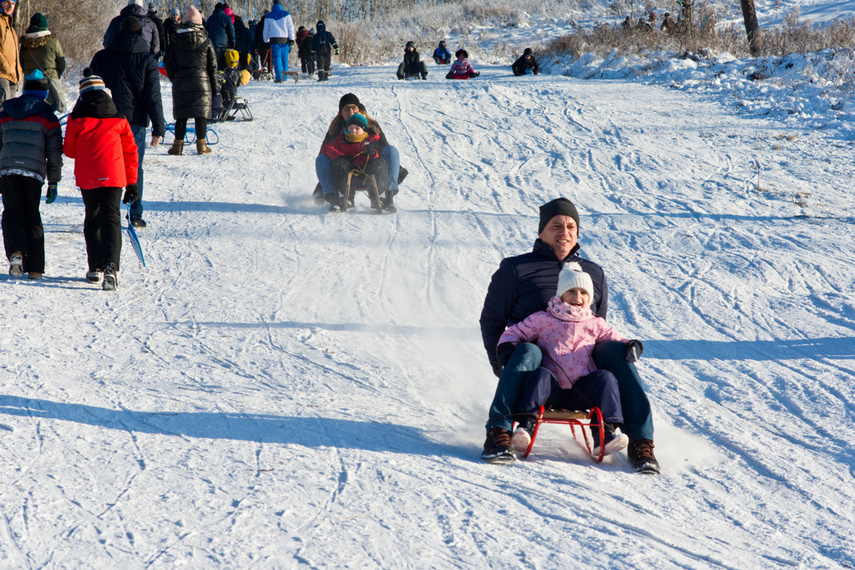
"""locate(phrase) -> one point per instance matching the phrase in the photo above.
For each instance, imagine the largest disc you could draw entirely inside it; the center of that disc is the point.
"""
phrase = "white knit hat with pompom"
(572, 276)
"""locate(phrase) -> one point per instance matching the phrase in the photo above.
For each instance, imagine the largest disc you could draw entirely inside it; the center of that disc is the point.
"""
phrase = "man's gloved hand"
(290, 42)
(632, 351)
(504, 352)
(132, 194)
(51, 193)
(336, 51)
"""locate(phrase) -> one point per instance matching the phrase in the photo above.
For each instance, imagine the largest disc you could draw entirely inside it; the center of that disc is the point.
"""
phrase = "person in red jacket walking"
(100, 140)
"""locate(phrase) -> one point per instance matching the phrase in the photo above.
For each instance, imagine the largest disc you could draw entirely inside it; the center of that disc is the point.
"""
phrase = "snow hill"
(281, 387)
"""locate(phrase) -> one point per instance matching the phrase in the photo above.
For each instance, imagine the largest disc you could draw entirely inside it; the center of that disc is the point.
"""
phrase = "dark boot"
(498, 448)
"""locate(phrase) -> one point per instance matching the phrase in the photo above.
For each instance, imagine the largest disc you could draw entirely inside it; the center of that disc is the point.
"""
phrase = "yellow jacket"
(10, 63)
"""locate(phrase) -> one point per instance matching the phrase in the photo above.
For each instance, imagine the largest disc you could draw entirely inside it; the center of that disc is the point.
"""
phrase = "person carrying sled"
(412, 64)
(523, 285)
(526, 64)
(462, 68)
(356, 149)
(99, 139)
(441, 55)
(349, 105)
(133, 78)
(30, 153)
(323, 45)
(566, 333)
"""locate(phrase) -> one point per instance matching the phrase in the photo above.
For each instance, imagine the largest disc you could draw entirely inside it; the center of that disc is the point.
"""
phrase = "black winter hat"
(132, 25)
(348, 99)
(527, 52)
(461, 51)
(410, 45)
(557, 207)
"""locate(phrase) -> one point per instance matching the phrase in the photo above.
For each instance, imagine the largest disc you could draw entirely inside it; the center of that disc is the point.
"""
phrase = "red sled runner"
(584, 420)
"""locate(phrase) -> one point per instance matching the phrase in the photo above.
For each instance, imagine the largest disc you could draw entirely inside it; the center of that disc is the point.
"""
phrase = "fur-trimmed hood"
(37, 39)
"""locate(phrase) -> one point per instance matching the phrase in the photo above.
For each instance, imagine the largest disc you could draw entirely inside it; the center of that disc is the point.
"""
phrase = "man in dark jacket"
(262, 47)
(132, 76)
(523, 285)
(149, 30)
(221, 32)
(526, 64)
(158, 24)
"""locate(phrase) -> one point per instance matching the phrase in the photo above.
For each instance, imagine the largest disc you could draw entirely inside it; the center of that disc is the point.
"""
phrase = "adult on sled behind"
(462, 68)
(354, 153)
(323, 45)
(349, 105)
(412, 66)
(441, 55)
(523, 285)
(526, 64)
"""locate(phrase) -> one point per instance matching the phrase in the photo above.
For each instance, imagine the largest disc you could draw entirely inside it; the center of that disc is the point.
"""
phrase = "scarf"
(564, 312)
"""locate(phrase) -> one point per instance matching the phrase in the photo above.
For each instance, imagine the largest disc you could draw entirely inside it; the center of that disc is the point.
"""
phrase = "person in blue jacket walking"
(279, 33)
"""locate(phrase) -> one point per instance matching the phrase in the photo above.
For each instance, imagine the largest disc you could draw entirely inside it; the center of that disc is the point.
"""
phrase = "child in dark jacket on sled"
(566, 334)
(357, 150)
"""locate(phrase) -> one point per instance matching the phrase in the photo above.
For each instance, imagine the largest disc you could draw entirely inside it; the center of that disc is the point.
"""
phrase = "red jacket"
(104, 152)
(361, 152)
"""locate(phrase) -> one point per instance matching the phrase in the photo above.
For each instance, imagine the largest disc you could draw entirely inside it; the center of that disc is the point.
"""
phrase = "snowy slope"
(281, 387)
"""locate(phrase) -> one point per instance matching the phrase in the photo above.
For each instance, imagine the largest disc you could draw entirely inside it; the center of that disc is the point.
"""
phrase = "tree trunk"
(752, 28)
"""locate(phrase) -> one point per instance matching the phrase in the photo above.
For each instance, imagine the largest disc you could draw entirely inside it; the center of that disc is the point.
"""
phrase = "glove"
(632, 350)
(336, 51)
(132, 194)
(504, 352)
(51, 193)
(290, 42)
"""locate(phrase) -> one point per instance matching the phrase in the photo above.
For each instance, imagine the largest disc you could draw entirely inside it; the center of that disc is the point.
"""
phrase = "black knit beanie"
(557, 207)
(348, 99)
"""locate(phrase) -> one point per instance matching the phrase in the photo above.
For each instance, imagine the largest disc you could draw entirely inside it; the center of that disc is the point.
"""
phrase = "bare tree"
(752, 28)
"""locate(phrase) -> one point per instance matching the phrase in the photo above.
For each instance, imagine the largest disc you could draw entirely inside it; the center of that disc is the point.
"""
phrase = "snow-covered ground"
(282, 387)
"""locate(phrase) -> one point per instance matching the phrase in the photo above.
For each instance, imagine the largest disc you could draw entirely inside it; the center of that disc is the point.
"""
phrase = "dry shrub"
(80, 26)
(793, 36)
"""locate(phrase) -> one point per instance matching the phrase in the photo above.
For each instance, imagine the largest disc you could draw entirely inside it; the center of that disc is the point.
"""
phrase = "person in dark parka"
(243, 42)
(526, 64)
(191, 65)
(221, 32)
(322, 46)
(149, 30)
(132, 76)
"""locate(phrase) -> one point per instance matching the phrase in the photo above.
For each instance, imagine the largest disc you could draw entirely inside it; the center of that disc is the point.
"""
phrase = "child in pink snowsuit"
(566, 334)
(461, 68)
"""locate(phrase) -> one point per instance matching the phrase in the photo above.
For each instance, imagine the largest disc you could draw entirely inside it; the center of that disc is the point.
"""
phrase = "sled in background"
(592, 419)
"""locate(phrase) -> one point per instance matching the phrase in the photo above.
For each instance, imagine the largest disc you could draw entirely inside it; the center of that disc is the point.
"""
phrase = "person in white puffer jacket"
(279, 33)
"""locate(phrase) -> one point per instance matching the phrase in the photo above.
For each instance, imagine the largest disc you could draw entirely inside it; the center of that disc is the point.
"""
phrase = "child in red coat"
(100, 140)
(356, 149)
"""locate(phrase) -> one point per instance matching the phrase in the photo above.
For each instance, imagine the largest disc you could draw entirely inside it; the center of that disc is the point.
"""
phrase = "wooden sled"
(368, 185)
(584, 420)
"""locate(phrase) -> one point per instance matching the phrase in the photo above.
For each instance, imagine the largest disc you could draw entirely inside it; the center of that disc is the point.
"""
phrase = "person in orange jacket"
(100, 140)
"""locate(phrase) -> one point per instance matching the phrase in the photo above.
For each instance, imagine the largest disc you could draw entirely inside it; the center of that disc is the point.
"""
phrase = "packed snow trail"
(280, 387)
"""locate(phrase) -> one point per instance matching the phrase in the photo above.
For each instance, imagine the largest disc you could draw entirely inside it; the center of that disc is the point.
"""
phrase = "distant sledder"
(462, 68)
(441, 55)
(526, 64)
(412, 66)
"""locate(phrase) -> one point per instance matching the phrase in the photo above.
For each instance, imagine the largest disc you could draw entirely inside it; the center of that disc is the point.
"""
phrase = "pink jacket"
(566, 335)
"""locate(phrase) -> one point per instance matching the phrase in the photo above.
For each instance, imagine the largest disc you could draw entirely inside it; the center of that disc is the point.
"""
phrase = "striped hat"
(91, 83)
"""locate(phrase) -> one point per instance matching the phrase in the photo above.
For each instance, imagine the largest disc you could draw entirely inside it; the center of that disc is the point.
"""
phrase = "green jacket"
(41, 50)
